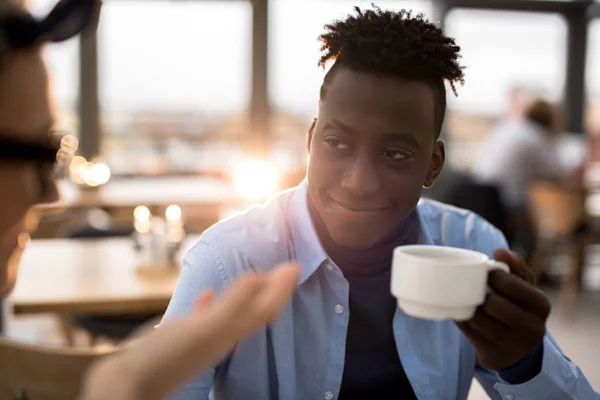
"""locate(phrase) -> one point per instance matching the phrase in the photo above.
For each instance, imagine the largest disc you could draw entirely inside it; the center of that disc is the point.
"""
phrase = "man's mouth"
(359, 208)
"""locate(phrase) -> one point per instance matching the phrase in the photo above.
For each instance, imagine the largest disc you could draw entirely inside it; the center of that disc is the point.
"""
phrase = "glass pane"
(501, 50)
(174, 76)
(62, 60)
(593, 79)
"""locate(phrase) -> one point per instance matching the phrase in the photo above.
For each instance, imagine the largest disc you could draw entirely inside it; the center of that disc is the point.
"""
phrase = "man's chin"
(353, 242)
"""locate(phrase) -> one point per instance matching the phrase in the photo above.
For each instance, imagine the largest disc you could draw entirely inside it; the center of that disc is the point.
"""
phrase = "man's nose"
(361, 178)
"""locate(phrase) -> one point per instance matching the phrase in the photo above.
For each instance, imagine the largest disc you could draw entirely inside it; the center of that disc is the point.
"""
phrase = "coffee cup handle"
(494, 265)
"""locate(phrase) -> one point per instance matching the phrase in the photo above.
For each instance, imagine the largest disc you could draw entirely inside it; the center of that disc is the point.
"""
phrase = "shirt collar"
(309, 251)
(307, 247)
(426, 236)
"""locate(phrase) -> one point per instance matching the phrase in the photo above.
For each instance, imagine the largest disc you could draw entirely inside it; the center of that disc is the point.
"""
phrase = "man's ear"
(438, 157)
(311, 130)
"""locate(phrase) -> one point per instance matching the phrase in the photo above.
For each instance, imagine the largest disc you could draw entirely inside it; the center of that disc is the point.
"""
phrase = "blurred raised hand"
(153, 366)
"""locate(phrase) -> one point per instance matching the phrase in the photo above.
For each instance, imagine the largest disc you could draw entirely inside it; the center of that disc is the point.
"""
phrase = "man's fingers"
(520, 293)
(490, 328)
(516, 264)
(501, 309)
(506, 312)
(483, 346)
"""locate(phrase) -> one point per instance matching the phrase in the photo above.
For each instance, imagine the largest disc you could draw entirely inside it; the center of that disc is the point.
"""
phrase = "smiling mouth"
(359, 208)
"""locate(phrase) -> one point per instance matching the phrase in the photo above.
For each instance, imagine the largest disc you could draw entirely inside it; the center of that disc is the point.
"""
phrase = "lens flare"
(255, 179)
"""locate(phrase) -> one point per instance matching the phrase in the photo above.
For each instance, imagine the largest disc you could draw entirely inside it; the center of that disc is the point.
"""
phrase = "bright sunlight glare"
(255, 179)
(173, 213)
(96, 175)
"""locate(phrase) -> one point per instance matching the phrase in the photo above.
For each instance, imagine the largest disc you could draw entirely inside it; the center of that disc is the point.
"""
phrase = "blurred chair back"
(484, 200)
(556, 211)
(33, 372)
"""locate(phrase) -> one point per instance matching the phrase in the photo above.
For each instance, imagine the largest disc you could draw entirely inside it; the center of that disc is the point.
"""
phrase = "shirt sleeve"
(200, 272)
(526, 369)
(559, 379)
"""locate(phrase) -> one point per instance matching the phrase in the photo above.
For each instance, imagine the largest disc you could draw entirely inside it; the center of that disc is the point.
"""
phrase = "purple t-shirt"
(372, 368)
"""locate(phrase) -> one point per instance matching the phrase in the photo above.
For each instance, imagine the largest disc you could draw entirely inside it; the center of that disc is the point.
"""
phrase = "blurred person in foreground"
(154, 365)
(372, 147)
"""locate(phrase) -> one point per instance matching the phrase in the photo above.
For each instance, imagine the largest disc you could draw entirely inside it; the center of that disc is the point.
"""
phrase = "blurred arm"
(196, 332)
(558, 379)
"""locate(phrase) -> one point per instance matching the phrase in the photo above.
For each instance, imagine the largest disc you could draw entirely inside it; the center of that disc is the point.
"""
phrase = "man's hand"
(512, 320)
(153, 366)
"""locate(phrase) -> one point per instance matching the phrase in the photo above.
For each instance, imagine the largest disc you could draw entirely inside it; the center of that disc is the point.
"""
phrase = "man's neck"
(370, 260)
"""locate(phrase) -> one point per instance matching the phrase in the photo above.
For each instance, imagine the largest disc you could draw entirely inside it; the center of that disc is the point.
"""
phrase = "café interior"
(174, 132)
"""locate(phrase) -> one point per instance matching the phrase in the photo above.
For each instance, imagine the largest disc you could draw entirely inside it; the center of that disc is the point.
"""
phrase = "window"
(593, 79)
(500, 50)
(174, 77)
(63, 64)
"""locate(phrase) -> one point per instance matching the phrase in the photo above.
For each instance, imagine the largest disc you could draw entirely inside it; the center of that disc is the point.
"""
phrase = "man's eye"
(336, 144)
(395, 154)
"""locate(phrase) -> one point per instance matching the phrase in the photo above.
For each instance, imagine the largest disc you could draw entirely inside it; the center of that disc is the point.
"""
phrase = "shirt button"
(339, 309)
(330, 267)
(328, 395)
(509, 397)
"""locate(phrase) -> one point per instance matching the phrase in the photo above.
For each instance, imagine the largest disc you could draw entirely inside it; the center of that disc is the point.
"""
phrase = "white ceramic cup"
(434, 282)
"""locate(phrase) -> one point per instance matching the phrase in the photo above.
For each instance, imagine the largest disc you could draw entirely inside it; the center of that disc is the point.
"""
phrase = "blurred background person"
(522, 151)
(519, 96)
(519, 152)
(453, 182)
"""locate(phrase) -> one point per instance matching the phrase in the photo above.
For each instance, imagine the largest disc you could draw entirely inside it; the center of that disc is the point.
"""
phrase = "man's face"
(25, 114)
(371, 150)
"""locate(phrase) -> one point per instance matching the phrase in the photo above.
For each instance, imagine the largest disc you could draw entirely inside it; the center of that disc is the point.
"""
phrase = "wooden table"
(97, 276)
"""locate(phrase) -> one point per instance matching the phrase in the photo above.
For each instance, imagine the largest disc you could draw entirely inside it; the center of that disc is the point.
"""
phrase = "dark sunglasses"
(51, 159)
(67, 19)
(19, 150)
(19, 30)
(58, 147)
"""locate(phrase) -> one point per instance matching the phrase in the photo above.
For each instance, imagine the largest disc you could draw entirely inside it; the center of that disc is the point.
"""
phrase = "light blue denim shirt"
(301, 355)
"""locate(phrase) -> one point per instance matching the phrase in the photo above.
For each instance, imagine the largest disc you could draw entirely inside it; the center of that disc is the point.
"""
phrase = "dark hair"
(20, 30)
(394, 44)
(541, 112)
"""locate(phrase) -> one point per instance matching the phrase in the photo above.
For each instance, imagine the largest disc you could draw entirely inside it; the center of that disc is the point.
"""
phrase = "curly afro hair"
(394, 44)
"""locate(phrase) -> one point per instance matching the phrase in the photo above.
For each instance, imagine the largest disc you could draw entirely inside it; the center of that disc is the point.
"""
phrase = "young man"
(156, 364)
(372, 148)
